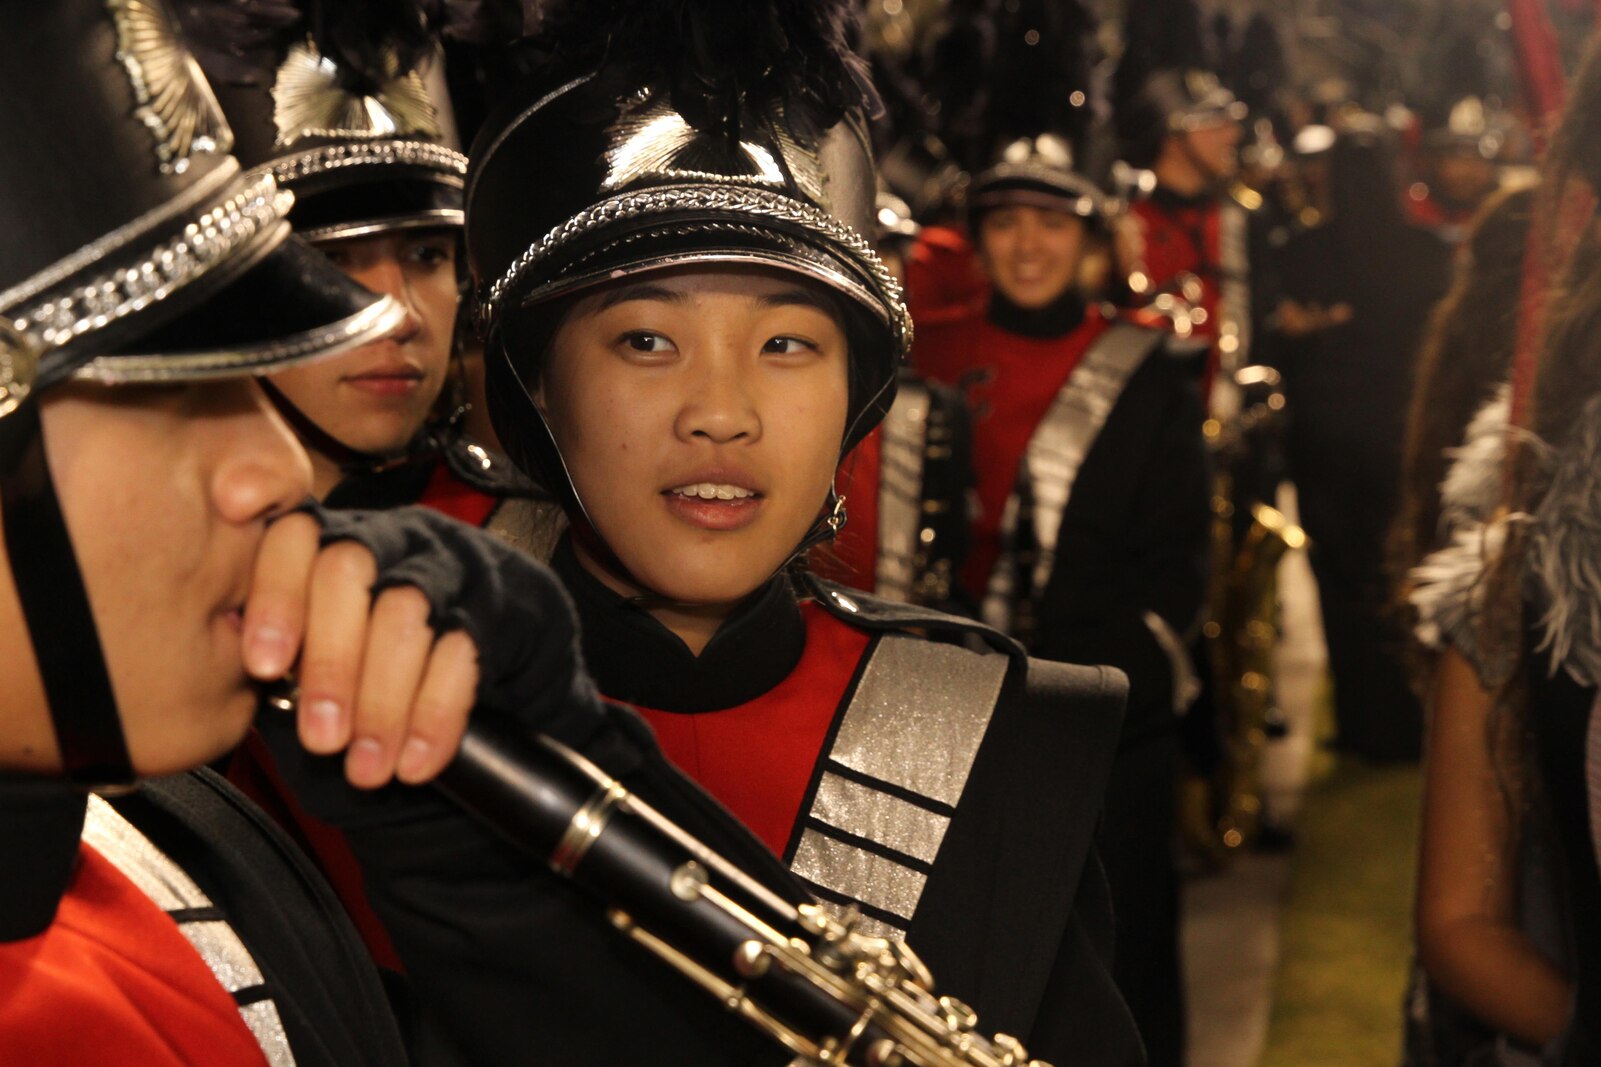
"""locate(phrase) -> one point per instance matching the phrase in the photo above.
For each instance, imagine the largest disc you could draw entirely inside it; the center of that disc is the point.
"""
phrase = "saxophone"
(1242, 631)
(823, 990)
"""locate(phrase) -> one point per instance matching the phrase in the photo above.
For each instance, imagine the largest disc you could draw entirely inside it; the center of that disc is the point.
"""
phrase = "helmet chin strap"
(55, 606)
(349, 460)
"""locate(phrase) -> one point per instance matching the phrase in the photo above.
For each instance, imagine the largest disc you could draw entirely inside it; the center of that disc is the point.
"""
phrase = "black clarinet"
(829, 994)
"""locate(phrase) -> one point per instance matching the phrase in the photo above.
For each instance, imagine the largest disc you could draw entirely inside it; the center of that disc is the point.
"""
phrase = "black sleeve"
(1154, 560)
(506, 959)
(503, 956)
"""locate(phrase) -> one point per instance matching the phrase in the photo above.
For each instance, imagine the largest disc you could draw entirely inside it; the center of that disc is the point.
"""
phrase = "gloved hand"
(403, 622)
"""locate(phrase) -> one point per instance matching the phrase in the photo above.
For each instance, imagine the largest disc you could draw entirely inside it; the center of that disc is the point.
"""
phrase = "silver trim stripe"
(859, 874)
(919, 715)
(900, 491)
(867, 812)
(451, 164)
(166, 884)
(371, 323)
(756, 203)
(205, 188)
(1235, 284)
(1056, 453)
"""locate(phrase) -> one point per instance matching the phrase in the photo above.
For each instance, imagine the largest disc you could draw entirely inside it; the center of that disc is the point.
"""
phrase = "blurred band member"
(1090, 544)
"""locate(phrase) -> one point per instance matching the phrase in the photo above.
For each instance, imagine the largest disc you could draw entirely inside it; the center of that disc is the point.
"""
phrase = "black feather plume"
(1041, 81)
(244, 41)
(711, 55)
(369, 40)
(240, 42)
(482, 23)
(1159, 35)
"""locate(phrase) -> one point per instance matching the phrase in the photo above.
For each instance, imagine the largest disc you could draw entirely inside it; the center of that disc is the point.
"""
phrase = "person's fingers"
(399, 642)
(439, 714)
(336, 639)
(275, 607)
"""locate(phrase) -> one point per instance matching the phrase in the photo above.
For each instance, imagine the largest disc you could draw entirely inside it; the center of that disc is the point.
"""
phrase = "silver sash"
(895, 774)
(1234, 306)
(1056, 453)
(174, 892)
(900, 491)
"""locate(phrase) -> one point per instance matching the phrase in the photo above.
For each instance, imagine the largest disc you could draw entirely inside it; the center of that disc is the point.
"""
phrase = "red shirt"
(113, 981)
(1186, 237)
(1009, 381)
(757, 758)
(944, 282)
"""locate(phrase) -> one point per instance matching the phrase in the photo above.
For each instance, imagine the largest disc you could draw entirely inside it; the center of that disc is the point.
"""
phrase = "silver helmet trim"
(748, 203)
(250, 212)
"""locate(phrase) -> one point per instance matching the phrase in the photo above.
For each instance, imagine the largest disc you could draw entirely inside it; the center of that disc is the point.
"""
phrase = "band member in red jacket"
(1198, 237)
(687, 329)
(1090, 543)
(152, 575)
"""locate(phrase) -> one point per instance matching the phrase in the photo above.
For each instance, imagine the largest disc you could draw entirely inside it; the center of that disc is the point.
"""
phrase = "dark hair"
(1467, 351)
(1567, 376)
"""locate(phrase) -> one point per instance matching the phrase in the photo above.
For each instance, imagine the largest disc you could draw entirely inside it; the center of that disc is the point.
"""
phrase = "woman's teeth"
(710, 491)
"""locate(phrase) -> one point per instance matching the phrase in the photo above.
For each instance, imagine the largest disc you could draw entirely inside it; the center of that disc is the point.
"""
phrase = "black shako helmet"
(1037, 172)
(347, 107)
(137, 250)
(1171, 100)
(662, 135)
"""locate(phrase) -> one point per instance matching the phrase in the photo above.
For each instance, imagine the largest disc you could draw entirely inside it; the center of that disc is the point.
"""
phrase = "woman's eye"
(787, 346)
(642, 341)
(430, 255)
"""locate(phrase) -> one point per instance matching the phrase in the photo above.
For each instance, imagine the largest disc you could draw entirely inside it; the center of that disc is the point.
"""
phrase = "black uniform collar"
(1171, 199)
(1056, 319)
(390, 487)
(637, 660)
(405, 481)
(41, 820)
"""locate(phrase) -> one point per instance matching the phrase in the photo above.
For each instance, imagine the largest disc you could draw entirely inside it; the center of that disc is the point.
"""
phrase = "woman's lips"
(386, 382)
(714, 505)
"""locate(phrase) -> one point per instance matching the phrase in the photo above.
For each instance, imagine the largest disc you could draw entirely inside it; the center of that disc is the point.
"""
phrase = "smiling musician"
(1090, 545)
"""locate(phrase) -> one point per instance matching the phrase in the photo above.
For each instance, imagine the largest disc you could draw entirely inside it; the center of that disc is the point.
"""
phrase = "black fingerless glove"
(530, 671)
(513, 607)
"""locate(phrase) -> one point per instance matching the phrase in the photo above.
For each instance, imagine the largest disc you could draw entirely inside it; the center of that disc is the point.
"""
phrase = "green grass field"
(1346, 935)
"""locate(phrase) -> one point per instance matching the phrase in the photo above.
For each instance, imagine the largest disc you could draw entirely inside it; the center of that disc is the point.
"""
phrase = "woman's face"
(700, 415)
(166, 492)
(1032, 254)
(375, 398)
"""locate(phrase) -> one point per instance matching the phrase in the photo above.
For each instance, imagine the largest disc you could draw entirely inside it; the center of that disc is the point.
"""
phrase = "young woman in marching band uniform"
(1090, 543)
(687, 328)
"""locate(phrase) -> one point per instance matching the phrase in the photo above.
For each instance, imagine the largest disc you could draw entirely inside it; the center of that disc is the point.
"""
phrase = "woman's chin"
(707, 583)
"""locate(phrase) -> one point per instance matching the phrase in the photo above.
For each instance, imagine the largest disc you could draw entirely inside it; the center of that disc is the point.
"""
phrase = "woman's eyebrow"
(798, 295)
(640, 291)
